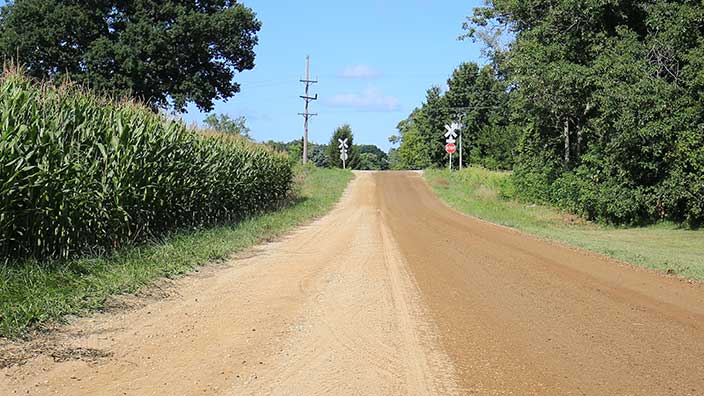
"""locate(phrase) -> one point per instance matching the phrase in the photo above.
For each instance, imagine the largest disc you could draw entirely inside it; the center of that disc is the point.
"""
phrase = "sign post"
(460, 139)
(343, 152)
(451, 134)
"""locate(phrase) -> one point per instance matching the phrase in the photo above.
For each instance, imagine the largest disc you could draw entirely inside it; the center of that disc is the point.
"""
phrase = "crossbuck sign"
(451, 133)
(343, 152)
(450, 136)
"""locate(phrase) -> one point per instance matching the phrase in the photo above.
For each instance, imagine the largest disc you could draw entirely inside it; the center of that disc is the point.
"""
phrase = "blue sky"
(374, 61)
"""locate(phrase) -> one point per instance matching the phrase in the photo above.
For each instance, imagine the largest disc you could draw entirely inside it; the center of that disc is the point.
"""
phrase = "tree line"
(360, 157)
(596, 106)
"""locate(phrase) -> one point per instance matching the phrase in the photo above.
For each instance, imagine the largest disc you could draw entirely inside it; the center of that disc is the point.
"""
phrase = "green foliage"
(372, 157)
(317, 153)
(295, 152)
(368, 161)
(414, 152)
(157, 51)
(224, 124)
(479, 98)
(333, 150)
(395, 162)
(607, 97)
(80, 174)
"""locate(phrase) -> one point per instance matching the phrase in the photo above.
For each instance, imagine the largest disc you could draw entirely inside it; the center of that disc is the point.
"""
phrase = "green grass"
(489, 195)
(32, 294)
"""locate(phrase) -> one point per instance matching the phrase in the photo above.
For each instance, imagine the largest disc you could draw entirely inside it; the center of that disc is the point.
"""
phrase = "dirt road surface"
(392, 293)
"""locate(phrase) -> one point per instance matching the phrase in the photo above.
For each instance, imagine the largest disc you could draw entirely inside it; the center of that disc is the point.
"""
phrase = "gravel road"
(392, 293)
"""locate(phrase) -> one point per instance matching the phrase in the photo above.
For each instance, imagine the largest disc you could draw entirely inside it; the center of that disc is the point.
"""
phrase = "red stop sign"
(450, 148)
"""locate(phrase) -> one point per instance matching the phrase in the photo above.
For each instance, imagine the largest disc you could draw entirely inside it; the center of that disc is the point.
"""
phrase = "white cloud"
(372, 99)
(361, 72)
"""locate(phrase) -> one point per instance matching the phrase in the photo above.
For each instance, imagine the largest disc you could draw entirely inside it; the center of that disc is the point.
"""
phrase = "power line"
(306, 114)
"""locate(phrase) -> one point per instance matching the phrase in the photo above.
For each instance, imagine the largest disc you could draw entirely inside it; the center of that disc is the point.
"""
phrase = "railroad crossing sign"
(343, 152)
(450, 136)
(452, 130)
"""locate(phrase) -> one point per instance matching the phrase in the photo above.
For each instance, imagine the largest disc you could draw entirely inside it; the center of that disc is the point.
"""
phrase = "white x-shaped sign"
(452, 130)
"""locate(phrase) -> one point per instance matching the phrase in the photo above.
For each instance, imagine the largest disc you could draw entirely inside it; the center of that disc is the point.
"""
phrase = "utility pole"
(307, 115)
(461, 118)
(460, 139)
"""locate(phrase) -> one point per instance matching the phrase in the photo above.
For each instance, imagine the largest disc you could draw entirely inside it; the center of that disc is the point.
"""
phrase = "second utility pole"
(306, 115)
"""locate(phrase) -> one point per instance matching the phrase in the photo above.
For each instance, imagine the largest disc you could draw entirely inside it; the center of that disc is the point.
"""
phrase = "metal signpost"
(343, 152)
(460, 139)
(451, 135)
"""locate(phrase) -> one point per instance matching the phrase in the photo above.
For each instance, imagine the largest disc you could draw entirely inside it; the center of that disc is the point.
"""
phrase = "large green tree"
(416, 147)
(479, 98)
(421, 133)
(166, 53)
(609, 100)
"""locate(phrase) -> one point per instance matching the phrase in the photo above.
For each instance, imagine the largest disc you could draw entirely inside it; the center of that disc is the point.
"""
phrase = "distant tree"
(414, 153)
(481, 98)
(333, 151)
(395, 162)
(278, 146)
(318, 155)
(368, 161)
(166, 53)
(421, 134)
(316, 152)
(223, 123)
(415, 149)
(295, 150)
(372, 157)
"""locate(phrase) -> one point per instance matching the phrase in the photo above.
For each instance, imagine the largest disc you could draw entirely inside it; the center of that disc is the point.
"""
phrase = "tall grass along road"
(392, 293)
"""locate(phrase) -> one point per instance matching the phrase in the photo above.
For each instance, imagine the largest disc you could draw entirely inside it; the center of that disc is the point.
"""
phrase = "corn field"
(81, 174)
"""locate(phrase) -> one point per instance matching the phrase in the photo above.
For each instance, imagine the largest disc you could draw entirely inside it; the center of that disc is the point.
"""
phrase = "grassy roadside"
(32, 294)
(488, 195)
